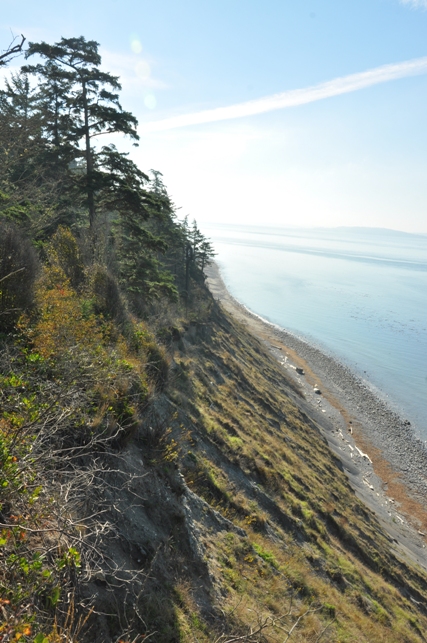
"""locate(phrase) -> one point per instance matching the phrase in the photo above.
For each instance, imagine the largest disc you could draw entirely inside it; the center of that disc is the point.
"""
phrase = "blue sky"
(353, 158)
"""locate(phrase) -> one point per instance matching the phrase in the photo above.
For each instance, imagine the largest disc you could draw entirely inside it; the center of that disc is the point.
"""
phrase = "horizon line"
(293, 97)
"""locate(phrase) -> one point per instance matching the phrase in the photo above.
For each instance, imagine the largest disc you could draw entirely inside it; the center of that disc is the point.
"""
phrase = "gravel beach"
(384, 460)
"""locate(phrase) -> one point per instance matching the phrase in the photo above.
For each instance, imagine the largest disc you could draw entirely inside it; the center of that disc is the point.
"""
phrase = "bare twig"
(12, 273)
(324, 630)
(12, 51)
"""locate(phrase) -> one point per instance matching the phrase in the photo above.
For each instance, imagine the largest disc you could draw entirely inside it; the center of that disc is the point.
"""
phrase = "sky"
(278, 113)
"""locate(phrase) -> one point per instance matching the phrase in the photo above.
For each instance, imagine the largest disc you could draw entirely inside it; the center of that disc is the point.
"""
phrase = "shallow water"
(357, 293)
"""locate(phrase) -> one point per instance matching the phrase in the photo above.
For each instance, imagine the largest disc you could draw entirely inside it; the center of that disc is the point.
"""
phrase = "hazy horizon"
(295, 227)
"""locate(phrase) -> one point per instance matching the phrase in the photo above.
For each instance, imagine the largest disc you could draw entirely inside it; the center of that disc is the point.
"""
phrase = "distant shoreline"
(348, 404)
(357, 297)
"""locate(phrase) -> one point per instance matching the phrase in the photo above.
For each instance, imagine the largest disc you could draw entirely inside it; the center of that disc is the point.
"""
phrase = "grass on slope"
(247, 449)
(244, 523)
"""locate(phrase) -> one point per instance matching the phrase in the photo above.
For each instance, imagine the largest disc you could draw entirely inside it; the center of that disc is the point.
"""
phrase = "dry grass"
(257, 460)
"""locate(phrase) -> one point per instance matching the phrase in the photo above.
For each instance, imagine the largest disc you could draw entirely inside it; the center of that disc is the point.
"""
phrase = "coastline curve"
(364, 428)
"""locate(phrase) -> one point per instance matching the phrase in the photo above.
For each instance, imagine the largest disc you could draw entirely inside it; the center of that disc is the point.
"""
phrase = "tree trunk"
(188, 258)
(55, 125)
(89, 162)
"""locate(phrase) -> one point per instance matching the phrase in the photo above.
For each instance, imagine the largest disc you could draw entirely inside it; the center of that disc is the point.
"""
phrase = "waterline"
(367, 309)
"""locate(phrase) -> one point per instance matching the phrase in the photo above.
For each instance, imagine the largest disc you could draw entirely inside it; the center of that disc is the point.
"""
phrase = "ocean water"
(359, 294)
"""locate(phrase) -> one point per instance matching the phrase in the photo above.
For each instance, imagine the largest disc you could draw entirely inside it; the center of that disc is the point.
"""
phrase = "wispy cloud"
(294, 97)
(417, 4)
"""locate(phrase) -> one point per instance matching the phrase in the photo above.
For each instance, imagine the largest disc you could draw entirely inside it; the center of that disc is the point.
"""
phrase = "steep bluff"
(232, 517)
(208, 508)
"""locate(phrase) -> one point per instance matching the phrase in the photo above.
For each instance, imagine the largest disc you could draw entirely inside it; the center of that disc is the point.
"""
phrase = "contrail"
(294, 97)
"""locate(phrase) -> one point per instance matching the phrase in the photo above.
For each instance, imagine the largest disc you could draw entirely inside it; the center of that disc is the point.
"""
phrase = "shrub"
(75, 351)
(141, 343)
(63, 329)
(157, 366)
(107, 299)
(64, 252)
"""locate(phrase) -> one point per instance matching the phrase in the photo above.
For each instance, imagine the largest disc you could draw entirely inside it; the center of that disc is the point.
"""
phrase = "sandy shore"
(385, 462)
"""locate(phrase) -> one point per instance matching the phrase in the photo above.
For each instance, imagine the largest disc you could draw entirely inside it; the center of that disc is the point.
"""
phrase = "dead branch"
(12, 273)
(12, 51)
(263, 624)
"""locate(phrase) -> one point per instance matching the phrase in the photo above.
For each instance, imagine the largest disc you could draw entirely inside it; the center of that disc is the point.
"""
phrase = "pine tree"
(203, 250)
(24, 184)
(91, 100)
(54, 102)
(20, 124)
(59, 176)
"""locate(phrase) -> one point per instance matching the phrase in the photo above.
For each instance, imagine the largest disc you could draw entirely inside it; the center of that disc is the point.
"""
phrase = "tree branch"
(11, 51)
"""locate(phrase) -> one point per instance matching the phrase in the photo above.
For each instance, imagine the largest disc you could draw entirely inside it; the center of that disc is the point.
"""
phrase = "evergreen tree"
(202, 248)
(51, 173)
(20, 124)
(25, 188)
(54, 102)
(92, 102)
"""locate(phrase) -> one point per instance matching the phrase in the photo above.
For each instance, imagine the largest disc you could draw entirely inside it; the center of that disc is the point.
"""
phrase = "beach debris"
(300, 370)
(317, 390)
(363, 455)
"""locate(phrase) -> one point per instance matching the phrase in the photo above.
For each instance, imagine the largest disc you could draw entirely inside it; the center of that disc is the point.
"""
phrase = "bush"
(18, 269)
(64, 253)
(157, 366)
(142, 343)
(107, 298)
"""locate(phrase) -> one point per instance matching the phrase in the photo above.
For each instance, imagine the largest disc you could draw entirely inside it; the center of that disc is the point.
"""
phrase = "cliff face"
(237, 520)
(220, 514)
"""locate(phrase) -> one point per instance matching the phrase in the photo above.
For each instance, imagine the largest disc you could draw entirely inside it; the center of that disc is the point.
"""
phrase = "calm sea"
(359, 294)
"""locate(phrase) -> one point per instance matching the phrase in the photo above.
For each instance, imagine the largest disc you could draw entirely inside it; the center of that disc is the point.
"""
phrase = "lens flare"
(142, 70)
(135, 45)
(150, 101)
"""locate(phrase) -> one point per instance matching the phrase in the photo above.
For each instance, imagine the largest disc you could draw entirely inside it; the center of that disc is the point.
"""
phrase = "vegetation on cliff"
(158, 477)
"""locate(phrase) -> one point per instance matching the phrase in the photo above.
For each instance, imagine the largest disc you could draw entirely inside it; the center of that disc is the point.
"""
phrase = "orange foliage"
(62, 325)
